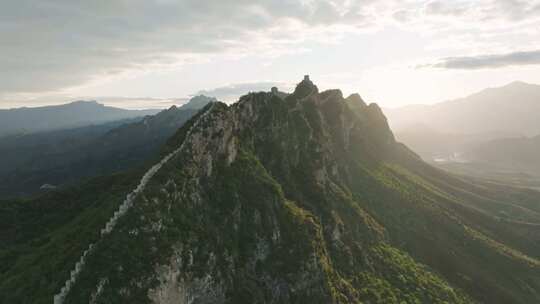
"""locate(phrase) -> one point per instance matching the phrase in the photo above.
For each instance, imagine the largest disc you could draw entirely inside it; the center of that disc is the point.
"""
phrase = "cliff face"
(308, 199)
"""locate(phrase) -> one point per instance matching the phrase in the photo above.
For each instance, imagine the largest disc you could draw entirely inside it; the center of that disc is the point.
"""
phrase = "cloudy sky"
(152, 53)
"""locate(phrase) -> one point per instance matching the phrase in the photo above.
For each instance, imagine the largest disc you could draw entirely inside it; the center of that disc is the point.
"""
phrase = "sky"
(155, 53)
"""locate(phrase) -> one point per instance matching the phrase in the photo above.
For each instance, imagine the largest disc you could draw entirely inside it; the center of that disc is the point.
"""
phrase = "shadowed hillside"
(63, 157)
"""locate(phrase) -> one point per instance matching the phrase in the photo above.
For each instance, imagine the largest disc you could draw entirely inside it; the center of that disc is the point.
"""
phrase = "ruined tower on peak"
(305, 88)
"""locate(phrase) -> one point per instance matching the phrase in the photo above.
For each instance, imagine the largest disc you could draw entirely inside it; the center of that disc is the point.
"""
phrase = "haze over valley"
(492, 133)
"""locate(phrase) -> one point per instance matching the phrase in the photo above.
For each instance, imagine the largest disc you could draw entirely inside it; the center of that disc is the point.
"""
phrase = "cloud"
(232, 92)
(485, 10)
(448, 8)
(517, 9)
(50, 45)
(488, 61)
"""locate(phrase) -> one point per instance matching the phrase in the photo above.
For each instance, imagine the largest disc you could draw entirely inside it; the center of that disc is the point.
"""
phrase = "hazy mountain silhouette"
(67, 156)
(75, 114)
(511, 109)
(453, 127)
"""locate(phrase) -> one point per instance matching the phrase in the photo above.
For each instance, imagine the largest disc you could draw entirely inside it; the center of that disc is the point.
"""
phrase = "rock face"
(304, 199)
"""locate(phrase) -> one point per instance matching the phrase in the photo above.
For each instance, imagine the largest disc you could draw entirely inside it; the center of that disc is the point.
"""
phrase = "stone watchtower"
(274, 90)
(305, 88)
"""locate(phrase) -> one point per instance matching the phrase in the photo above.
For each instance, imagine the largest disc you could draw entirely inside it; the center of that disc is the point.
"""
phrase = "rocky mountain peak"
(355, 100)
(305, 88)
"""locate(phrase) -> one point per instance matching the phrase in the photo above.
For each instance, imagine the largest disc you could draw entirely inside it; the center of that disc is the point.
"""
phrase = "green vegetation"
(42, 238)
(306, 199)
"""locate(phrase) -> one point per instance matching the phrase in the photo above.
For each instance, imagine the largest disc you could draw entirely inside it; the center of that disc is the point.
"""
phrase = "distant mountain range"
(510, 110)
(76, 114)
(464, 130)
(61, 157)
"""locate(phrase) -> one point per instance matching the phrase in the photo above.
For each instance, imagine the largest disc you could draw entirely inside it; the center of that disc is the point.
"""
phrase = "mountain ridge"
(443, 130)
(68, 156)
(75, 114)
(492, 109)
(306, 198)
